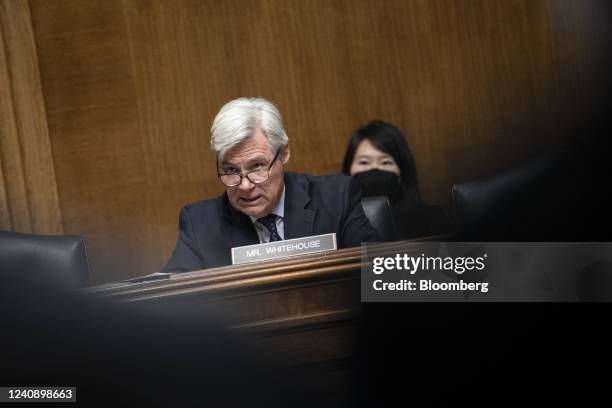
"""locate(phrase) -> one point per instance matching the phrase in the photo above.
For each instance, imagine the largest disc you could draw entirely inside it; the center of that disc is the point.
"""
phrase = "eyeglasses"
(256, 176)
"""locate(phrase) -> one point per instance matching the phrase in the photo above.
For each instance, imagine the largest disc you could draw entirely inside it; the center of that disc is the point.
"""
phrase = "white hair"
(239, 119)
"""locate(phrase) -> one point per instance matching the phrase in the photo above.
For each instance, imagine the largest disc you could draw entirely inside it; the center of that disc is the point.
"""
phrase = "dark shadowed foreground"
(116, 355)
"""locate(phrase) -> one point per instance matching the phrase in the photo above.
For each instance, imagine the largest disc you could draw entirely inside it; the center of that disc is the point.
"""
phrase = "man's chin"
(255, 212)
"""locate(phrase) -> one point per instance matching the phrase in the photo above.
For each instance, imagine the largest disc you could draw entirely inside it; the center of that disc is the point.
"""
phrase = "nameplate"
(283, 249)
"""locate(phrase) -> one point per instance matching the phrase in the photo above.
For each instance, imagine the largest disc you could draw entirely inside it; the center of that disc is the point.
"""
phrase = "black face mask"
(377, 182)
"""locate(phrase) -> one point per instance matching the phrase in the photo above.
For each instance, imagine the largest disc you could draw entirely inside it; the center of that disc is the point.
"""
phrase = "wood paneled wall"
(131, 87)
(28, 192)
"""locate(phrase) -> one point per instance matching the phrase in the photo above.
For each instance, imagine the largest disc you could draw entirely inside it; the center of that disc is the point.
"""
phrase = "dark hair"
(388, 139)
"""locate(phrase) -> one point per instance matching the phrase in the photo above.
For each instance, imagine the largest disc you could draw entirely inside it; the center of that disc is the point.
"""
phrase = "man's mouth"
(248, 201)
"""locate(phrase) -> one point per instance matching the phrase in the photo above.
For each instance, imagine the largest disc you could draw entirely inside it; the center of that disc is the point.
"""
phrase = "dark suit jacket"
(313, 206)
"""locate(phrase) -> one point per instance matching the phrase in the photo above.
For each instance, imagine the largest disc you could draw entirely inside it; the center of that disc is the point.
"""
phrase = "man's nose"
(245, 184)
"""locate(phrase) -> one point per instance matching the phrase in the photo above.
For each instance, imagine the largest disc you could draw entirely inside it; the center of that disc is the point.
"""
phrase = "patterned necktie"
(269, 221)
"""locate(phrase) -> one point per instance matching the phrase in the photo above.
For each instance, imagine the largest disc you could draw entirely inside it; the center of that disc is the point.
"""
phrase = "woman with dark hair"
(378, 156)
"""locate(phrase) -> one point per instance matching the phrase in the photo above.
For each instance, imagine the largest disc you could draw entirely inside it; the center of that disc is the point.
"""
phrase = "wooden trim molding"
(29, 199)
(222, 281)
(298, 323)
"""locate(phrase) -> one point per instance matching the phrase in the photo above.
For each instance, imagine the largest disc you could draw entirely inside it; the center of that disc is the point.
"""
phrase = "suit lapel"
(239, 228)
(298, 220)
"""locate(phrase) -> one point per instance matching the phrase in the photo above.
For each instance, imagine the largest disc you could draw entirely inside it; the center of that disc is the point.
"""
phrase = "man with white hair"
(261, 202)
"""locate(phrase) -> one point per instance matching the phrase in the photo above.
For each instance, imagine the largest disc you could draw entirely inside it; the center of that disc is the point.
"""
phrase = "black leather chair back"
(529, 201)
(61, 259)
(378, 211)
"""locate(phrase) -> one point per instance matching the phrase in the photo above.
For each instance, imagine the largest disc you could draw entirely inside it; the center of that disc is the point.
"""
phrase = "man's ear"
(286, 153)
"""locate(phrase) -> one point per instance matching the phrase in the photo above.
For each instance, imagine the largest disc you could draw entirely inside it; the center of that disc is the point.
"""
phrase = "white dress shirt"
(262, 232)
